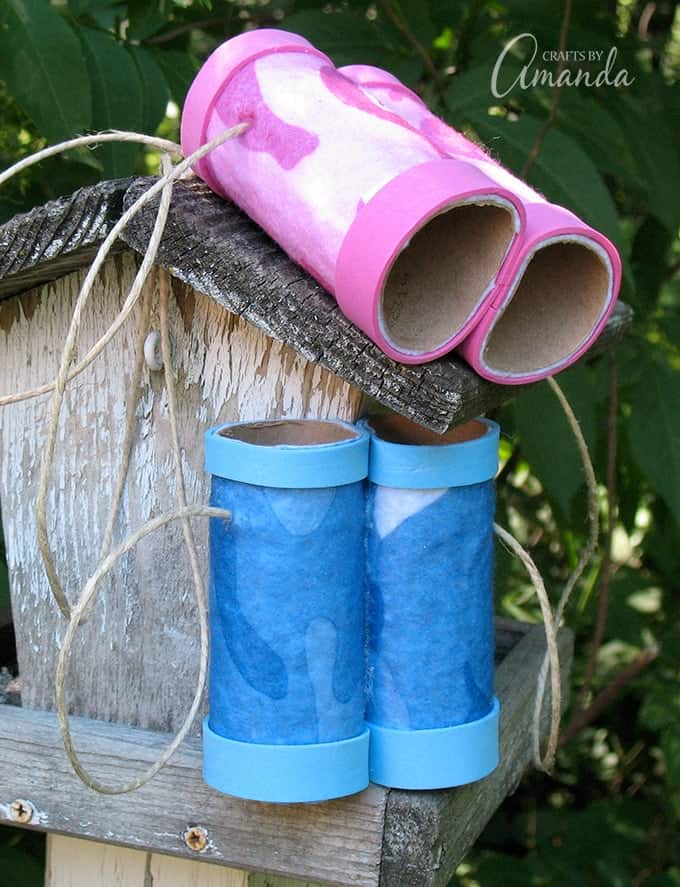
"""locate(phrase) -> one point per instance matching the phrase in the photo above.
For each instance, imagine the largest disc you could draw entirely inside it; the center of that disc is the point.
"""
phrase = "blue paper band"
(438, 758)
(423, 467)
(285, 465)
(285, 774)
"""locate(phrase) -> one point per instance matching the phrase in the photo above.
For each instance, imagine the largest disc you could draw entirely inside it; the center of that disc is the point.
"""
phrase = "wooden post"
(72, 862)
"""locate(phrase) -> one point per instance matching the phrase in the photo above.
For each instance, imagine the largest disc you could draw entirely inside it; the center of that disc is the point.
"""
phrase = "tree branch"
(402, 26)
(610, 692)
(166, 36)
(540, 138)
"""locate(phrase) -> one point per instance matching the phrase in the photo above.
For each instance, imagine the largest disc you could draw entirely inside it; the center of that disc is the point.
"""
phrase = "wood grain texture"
(136, 659)
(212, 245)
(168, 871)
(428, 833)
(75, 863)
(61, 236)
(72, 862)
(379, 837)
(337, 842)
(259, 880)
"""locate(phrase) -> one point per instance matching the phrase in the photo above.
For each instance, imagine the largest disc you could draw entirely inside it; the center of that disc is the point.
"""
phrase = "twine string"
(552, 621)
(547, 760)
(552, 653)
(82, 606)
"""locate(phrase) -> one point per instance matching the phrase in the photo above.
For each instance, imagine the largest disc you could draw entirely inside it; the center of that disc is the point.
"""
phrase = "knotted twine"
(108, 557)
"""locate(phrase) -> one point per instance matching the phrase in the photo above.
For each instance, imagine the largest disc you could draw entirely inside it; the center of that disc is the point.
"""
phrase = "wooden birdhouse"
(253, 337)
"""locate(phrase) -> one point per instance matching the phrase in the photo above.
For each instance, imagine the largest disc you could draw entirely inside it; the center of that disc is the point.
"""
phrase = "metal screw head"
(196, 838)
(21, 811)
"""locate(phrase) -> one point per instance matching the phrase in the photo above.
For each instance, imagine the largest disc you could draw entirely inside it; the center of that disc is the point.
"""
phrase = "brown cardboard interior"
(290, 432)
(397, 429)
(556, 305)
(439, 278)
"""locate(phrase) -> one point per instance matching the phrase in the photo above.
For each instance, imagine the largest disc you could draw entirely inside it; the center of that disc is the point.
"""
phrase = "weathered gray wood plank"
(428, 833)
(391, 838)
(61, 236)
(338, 842)
(212, 245)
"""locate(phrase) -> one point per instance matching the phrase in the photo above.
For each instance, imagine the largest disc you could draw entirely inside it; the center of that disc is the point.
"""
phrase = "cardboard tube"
(559, 283)
(429, 560)
(286, 720)
(353, 193)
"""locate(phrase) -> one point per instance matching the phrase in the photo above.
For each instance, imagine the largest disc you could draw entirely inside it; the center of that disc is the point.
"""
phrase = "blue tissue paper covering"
(430, 609)
(287, 614)
(431, 711)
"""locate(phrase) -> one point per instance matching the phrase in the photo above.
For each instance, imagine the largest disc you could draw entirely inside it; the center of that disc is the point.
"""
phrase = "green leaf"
(493, 868)
(599, 133)
(145, 18)
(42, 64)
(155, 94)
(654, 427)
(595, 845)
(414, 15)
(661, 707)
(670, 746)
(471, 91)
(179, 69)
(347, 38)
(669, 878)
(634, 614)
(116, 97)
(82, 7)
(563, 172)
(548, 445)
(649, 260)
(19, 867)
(652, 140)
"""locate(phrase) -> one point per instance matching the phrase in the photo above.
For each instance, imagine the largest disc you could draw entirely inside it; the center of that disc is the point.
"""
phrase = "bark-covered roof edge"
(211, 245)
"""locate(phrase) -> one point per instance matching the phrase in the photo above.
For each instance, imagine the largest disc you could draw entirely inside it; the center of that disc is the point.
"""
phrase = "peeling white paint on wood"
(136, 659)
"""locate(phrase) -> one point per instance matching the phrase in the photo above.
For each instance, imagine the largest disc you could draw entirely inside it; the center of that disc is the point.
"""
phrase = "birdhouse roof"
(211, 245)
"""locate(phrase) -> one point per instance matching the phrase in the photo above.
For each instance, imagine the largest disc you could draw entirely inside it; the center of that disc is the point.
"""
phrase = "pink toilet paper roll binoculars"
(426, 243)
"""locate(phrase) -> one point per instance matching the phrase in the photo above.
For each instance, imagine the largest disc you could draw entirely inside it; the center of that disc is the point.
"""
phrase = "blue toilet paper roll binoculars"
(351, 607)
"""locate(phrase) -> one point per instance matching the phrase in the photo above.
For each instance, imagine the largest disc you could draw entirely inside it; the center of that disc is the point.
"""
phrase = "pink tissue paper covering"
(340, 182)
(345, 168)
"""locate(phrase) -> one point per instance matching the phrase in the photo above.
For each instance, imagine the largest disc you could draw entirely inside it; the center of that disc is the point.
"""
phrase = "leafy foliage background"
(611, 813)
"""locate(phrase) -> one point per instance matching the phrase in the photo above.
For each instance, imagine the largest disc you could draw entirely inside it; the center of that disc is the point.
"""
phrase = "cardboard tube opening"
(556, 305)
(290, 432)
(397, 429)
(437, 281)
